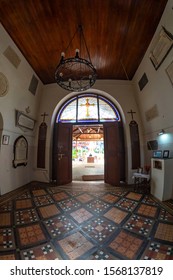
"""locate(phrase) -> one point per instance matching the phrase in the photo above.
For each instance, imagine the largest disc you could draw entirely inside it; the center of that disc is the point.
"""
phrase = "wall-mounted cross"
(131, 112)
(44, 116)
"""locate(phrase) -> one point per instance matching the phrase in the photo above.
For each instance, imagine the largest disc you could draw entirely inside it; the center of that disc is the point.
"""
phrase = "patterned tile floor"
(84, 221)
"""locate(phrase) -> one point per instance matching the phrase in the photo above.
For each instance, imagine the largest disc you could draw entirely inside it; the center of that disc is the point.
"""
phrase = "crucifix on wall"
(44, 115)
(132, 113)
(87, 105)
(135, 143)
(41, 152)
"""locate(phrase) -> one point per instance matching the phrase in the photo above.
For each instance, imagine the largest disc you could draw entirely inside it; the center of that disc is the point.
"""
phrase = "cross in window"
(87, 105)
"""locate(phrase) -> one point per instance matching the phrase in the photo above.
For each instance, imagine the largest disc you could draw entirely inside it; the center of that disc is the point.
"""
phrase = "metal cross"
(44, 116)
(131, 112)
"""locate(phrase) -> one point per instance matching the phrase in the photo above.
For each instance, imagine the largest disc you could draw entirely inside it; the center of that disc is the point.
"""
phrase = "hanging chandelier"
(76, 73)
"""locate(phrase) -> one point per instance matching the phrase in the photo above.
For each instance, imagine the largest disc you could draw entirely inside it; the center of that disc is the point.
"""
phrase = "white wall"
(18, 97)
(120, 92)
(158, 90)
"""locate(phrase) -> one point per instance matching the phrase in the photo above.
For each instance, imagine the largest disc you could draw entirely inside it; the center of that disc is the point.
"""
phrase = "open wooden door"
(114, 168)
(62, 154)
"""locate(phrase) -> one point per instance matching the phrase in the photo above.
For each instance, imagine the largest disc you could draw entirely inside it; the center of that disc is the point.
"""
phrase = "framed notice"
(24, 121)
(161, 48)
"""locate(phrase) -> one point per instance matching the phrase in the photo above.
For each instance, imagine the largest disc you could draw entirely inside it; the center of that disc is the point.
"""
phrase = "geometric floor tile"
(6, 206)
(75, 245)
(60, 196)
(98, 206)
(81, 215)
(48, 211)
(7, 239)
(10, 256)
(99, 229)
(110, 198)
(126, 245)
(139, 224)
(25, 216)
(54, 189)
(30, 235)
(43, 200)
(39, 192)
(24, 195)
(134, 196)
(126, 204)
(101, 255)
(147, 210)
(5, 219)
(42, 252)
(165, 216)
(69, 204)
(59, 226)
(84, 198)
(158, 251)
(164, 232)
(84, 220)
(116, 215)
(148, 200)
(23, 203)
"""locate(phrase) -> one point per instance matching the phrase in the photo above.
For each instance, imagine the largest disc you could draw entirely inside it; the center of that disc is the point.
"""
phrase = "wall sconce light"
(161, 132)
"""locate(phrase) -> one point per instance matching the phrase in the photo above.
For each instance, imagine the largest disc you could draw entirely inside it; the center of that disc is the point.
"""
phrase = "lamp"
(76, 73)
(161, 132)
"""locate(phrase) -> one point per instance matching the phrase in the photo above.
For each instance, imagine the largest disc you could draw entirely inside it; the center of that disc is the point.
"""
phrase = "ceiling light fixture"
(76, 73)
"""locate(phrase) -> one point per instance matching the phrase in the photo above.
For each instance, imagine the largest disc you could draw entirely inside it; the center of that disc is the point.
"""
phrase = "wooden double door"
(114, 153)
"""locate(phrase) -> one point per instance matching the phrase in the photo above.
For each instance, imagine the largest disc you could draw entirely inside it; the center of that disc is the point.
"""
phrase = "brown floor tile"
(48, 211)
(164, 232)
(116, 215)
(23, 203)
(147, 210)
(5, 219)
(75, 245)
(126, 245)
(30, 235)
(81, 215)
(8, 257)
(134, 196)
(84, 198)
(60, 196)
(39, 192)
(110, 198)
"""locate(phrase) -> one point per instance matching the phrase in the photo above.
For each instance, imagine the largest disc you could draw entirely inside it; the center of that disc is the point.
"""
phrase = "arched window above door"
(88, 108)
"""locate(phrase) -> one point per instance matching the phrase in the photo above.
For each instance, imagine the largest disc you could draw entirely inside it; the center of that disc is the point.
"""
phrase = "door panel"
(113, 153)
(63, 153)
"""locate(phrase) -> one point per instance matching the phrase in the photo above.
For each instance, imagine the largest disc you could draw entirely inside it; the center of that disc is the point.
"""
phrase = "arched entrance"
(89, 109)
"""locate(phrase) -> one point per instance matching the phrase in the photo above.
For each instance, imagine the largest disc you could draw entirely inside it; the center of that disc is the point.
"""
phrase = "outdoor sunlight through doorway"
(88, 153)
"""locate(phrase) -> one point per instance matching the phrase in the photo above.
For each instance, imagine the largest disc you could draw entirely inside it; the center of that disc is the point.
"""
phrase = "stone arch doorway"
(88, 109)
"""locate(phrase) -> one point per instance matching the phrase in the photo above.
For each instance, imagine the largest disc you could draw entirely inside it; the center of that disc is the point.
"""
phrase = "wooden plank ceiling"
(117, 32)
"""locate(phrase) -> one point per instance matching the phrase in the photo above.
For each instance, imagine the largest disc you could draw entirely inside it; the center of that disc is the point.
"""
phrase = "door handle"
(60, 156)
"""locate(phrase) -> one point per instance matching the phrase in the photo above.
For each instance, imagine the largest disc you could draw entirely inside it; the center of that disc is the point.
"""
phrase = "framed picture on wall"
(162, 45)
(169, 72)
(5, 139)
(165, 153)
